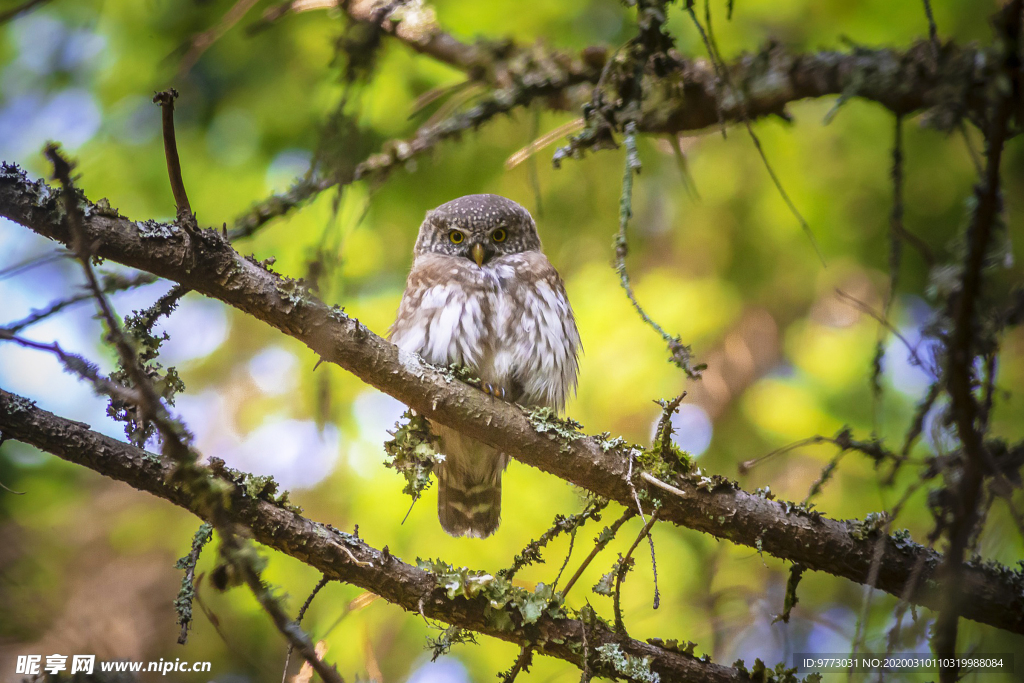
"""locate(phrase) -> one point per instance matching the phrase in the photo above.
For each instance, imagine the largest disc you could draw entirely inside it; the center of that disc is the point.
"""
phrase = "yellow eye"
(456, 237)
(499, 235)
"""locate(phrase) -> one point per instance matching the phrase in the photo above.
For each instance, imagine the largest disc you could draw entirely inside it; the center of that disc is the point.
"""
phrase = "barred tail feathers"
(469, 485)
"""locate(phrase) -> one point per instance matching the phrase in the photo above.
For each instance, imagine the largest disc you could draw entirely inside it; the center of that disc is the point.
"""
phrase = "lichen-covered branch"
(526, 618)
(962, 350)
(207, 264)
(681, 94)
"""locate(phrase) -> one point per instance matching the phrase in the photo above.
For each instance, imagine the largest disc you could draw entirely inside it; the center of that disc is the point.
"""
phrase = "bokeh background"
(86, 564)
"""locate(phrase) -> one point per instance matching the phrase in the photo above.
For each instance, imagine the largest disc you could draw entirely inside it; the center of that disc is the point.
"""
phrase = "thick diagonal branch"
(209, 265)
(339, 555)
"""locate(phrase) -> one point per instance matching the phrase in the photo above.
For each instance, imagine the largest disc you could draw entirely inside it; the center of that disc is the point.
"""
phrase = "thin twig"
(624, 568)
(603, 540)
(680, 354)
(933, 31)
(184, 602)
(302, 613)
(186, 218)
(565, 562)
(13, 12)
(233, 648)
(531, 553)
(713, 54)
(723, 74)
(111, 284)
(34, 262)
(651, 479)
(866, 308)
(289, 629)
(523, 662)
(201, 42)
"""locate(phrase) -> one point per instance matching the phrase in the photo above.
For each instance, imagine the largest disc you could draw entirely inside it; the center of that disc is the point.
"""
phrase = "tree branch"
(925, 75)
(963, 339)
(711, 504)
(686, 96)
(339, 555)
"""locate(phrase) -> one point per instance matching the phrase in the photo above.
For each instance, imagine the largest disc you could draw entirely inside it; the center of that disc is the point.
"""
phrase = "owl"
(482, 294)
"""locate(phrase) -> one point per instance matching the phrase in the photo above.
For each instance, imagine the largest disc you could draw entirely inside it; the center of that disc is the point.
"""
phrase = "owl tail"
(473, 511)
(469, 486)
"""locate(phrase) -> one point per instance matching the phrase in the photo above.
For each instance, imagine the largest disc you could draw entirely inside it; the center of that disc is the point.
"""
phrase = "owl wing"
(538, 344)
(442, 314)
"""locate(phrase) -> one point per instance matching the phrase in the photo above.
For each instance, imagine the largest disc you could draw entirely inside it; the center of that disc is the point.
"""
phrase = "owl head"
(478, 227)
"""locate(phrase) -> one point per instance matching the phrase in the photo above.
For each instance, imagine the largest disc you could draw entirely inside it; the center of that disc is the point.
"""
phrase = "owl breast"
(508, 321)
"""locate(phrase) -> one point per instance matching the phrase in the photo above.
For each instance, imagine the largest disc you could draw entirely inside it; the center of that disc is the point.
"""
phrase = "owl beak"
(478, 253)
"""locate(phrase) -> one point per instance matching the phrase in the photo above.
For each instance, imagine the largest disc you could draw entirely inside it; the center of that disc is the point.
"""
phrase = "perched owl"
(483, 295)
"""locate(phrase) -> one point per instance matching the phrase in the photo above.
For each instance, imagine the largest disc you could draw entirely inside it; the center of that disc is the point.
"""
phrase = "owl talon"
(493, 390)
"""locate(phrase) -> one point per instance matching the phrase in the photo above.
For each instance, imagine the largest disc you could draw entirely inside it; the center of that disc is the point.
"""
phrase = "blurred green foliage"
(252, 111)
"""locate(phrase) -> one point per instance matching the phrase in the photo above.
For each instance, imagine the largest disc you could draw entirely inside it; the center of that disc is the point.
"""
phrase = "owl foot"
(493, 390)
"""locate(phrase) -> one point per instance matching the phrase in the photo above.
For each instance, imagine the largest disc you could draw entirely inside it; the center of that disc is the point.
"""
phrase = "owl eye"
(499, 235)
(456, 237)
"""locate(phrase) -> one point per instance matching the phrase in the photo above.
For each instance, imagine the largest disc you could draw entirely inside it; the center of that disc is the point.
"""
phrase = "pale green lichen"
(501, 595)
(293, 292)
(872, 523)
(256, 487)
(804, 509)
(452, 635)
(150, 229)
(546, 421)
(337, 313)
(780, 674)
(633, 668)
(608, 444)
(20, 404)
(459, 373)
(674, 645)
(187, 592)
(412, 451)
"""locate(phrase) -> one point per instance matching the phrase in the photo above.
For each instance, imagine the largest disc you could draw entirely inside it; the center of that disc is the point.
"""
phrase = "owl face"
(478, 227)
